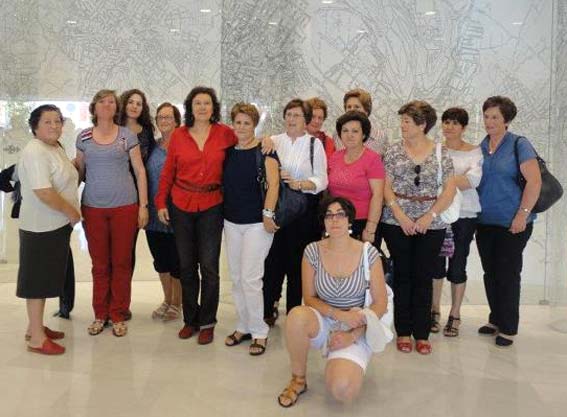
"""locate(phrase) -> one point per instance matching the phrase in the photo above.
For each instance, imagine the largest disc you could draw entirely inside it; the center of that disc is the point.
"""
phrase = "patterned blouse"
(402, 172)
(341, 292)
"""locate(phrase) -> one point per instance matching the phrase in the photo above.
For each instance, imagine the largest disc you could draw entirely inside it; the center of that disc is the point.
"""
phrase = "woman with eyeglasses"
(334, 289)
(411, 227)
(161, 240)
(309, 176)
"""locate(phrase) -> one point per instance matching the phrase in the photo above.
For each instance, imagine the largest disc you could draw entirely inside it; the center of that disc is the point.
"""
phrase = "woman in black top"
(249, 227)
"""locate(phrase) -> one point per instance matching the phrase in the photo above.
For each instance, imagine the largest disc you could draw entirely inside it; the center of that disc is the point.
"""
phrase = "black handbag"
(551, 189)
(291, 204)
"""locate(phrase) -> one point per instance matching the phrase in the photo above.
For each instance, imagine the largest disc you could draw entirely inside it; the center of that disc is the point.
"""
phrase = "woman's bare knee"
(343, 380)
(302, 319)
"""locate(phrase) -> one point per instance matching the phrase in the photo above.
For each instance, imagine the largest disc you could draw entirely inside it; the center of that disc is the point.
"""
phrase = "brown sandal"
(257, 349)
(450, 329)
(119, 329)
(294, 389)
(435, 327)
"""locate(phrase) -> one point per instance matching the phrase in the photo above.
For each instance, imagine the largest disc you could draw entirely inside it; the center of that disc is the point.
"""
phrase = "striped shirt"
(343, 293)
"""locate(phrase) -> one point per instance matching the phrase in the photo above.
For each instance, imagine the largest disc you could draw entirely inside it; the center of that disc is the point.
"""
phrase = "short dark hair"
(99, 96)
(35, 115)
(362, 95)
(245, 108)
(188, 105)
(345, 204)
(176, 112)
(506, 106)
(145, 119)
(421, 112)
(303, 105)
(456, 114)
(317, 103)
(357, 116)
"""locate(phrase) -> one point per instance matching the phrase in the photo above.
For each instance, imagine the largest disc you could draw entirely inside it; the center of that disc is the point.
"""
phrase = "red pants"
(110, 234)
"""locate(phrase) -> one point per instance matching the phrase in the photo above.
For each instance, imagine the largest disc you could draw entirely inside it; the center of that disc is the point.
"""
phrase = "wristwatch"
(268, 213)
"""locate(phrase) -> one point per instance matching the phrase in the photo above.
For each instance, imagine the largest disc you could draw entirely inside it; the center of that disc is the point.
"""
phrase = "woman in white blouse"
(304, 168)
(467, 161)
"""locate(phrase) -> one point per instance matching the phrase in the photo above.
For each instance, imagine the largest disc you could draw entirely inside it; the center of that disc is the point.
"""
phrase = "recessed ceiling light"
(361, 31)
(327, 2)
(173, 30)
(205, 10)
(430, 13)
(273, 23)
(71, 22)
(517, 23)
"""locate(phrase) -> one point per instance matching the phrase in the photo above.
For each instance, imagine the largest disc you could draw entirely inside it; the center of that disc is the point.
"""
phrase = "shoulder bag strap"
(366, 267)
(311, 151)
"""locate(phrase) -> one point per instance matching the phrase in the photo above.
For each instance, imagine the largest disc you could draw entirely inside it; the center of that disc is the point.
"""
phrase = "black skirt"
(43, 263)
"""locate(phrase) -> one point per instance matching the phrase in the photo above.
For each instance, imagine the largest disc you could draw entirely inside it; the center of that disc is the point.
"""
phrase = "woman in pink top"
(357, 174)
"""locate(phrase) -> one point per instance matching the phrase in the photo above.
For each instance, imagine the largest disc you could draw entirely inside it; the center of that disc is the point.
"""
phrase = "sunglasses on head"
(417, 170)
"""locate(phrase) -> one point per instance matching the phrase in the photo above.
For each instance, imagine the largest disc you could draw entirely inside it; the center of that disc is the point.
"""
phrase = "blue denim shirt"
(499, 192)
(153, 171)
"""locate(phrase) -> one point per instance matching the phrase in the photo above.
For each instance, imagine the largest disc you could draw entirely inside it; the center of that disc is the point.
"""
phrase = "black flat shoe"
(503, 341)
(487, 330)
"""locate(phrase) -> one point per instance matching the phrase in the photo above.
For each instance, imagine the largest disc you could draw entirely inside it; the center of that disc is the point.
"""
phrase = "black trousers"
(284, 258)
(198, 238)
(67, 299)
(501, 255)
(463, 233)
(414, 264)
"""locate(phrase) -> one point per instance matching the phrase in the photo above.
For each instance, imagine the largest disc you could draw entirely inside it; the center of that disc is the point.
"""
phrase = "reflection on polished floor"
(151, 372)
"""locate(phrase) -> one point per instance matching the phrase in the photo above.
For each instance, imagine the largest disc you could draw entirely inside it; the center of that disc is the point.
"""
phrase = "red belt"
(197, 188)
(418, 198)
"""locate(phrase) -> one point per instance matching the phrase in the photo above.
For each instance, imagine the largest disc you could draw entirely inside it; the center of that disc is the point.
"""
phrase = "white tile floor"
(151, 372)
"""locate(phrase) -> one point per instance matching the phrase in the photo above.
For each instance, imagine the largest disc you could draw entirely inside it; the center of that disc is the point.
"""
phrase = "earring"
(350, 229)
(326, 234)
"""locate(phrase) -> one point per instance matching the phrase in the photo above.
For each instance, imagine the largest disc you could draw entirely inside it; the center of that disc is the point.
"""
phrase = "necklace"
(244, 146)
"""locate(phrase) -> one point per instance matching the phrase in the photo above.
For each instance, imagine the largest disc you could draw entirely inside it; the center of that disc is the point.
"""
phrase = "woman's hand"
(341, 340)
(519, 223)
(353, 318)
(407, 224)
(74, 217)
(368, 236)
(143, 217)
(268, 145)
(422, 224)
(163, 216)
(270, 225)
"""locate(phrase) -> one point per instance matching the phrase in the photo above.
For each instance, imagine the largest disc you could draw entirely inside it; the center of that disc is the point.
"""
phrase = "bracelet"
(370, 233)
(144, 205)
(525, 210)
(433, 214)
(268, 213)
(371, 221)
(391, 203)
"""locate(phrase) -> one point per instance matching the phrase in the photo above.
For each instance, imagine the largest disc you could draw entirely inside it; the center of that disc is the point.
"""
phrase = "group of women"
(204, 176)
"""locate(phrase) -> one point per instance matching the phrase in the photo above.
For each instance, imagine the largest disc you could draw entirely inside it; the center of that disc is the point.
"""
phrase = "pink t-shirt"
(351, 180)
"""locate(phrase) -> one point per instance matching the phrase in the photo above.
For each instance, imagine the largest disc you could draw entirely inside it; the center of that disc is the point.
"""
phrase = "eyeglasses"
(294, 115)
(165, 117)
(339, 215)
(417, 170)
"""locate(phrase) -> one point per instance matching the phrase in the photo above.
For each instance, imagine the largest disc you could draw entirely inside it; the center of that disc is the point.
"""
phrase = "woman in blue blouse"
(506, 221)
(161, 240)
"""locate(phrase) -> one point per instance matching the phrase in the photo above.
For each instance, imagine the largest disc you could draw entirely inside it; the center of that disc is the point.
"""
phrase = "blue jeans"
(198, 238)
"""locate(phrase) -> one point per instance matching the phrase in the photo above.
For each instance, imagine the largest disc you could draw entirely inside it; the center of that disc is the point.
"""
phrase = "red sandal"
(404, 345)
(423, 347)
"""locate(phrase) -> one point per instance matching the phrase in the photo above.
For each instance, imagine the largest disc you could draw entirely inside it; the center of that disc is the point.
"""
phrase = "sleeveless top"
(343, 293)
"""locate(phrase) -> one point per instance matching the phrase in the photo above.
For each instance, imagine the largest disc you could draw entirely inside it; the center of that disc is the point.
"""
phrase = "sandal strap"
(292, 392)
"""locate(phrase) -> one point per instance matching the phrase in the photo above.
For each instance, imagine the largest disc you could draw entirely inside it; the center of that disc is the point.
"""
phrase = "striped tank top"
(343, 293)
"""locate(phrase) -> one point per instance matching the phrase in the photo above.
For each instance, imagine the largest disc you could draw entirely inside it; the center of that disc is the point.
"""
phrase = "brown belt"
(197, 188)
(418, 198)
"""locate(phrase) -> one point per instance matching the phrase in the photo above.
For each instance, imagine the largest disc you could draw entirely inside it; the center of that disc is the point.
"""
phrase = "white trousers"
(247, 247)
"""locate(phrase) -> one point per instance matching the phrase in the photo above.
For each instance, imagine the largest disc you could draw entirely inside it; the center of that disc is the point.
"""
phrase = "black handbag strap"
(311, 152)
